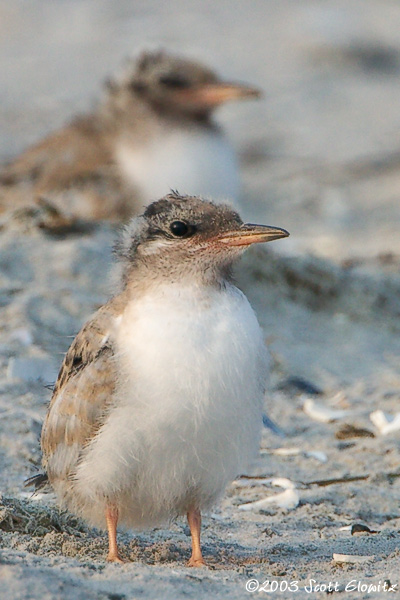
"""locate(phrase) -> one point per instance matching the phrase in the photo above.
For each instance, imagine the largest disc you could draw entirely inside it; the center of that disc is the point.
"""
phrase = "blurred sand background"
(320, 156)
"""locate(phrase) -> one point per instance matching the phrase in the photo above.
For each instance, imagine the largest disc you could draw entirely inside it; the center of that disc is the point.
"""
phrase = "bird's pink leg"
(194, 520)
(112, 520)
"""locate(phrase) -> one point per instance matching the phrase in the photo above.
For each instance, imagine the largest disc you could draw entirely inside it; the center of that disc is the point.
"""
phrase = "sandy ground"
(320, 156)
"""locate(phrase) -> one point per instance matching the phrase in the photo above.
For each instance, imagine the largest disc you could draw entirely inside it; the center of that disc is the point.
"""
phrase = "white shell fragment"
(283, 482)
(351, 558)
(317, 454)
(287, 500)
(323, 414)
(385, 423)
(284, 451)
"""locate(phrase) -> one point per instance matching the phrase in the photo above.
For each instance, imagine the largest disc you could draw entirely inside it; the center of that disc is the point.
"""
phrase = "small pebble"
(299, 385)
(359, 528)
(347, 431)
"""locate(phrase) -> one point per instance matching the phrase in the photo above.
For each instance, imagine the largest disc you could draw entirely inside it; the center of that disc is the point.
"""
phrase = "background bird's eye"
(174, 81)
(181, 229)
(137, 87)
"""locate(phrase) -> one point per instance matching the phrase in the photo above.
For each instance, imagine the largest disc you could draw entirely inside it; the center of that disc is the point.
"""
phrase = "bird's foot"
(197, 562)
(115, 558)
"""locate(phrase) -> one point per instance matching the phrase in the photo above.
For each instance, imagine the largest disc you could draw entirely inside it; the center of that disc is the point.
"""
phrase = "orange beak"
(212, 95)
(252, 234)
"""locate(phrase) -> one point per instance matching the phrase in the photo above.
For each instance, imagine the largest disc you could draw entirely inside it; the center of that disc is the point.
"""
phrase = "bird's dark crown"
(202, 218)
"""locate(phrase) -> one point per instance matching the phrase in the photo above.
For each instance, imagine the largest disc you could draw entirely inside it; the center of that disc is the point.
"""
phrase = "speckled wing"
(72, 152)
(82, 395)
(73, 169)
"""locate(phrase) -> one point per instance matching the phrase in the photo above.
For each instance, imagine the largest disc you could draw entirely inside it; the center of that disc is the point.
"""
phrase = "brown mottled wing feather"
(83, 392)
(74, 151)
(73, 169)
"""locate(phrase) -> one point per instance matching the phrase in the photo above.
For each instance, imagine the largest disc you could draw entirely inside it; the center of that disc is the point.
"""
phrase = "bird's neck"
(143, 280)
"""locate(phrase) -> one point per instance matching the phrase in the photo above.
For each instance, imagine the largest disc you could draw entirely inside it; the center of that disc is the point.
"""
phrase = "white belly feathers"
(189, 408)
(192, 162)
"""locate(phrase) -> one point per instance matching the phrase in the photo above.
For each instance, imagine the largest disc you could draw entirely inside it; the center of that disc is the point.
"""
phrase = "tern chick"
(158, 403)
(152, 130)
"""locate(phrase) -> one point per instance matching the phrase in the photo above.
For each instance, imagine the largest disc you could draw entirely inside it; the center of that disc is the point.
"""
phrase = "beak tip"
(250, 234)
(266, 233)
(249, 92)
(256, 93)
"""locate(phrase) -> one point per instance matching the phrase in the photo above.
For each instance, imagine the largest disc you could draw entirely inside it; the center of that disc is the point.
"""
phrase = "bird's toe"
(115, 558)
(197, 562)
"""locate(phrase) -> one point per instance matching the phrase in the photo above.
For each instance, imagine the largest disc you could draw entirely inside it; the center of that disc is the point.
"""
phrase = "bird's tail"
(38, 481)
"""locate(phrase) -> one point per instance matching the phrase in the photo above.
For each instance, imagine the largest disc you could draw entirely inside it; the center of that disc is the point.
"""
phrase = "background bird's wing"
(75, 151)
(73, 171)
(82, 395)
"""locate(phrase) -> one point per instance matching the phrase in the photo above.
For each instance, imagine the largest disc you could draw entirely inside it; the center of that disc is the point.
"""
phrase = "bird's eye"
(174, 81)
(181, 229)
(137, 87)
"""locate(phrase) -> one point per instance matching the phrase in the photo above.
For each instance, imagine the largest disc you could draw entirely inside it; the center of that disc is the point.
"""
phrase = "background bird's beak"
(252, 234)
(212, 95)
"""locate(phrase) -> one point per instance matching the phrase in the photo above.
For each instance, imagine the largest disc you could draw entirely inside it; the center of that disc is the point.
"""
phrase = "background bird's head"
(181, 237)
(176, 86)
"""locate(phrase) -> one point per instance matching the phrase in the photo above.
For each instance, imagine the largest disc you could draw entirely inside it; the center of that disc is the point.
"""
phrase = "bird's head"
(181, 237)
(177, 86)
